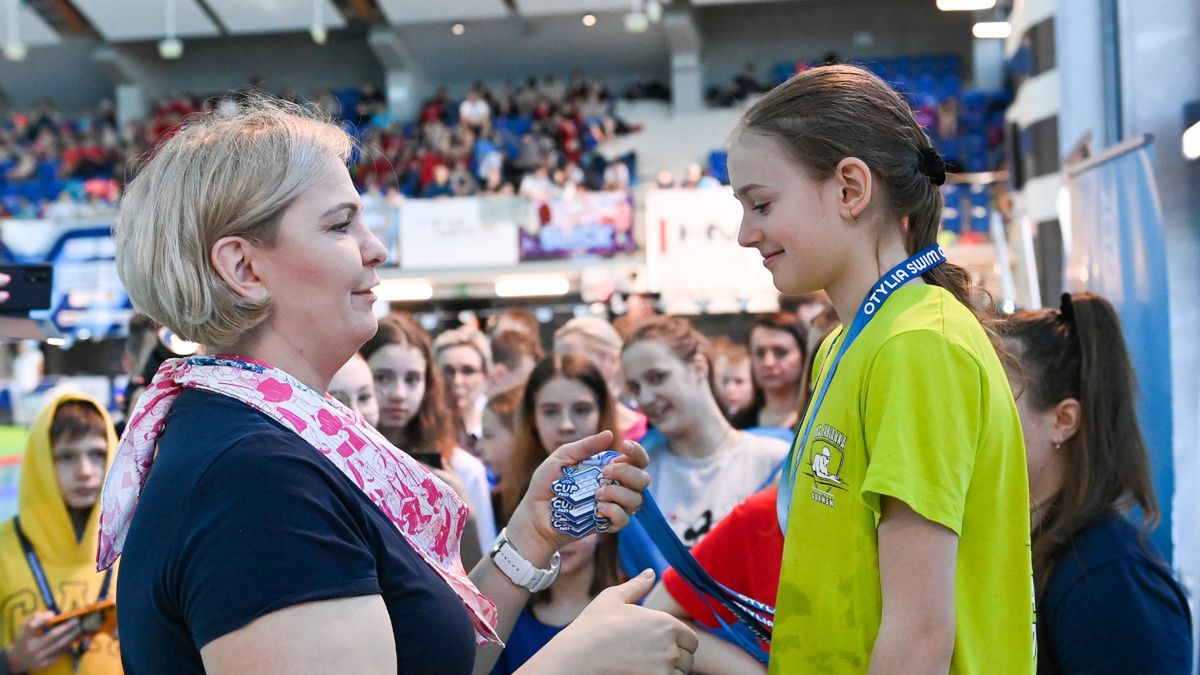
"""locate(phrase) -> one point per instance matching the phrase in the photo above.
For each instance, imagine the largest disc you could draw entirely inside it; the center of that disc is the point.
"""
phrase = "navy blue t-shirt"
(528, 637)
(1111, 606)
(241, 517)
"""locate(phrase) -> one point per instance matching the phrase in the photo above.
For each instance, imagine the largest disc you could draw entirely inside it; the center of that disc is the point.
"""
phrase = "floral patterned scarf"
(428, 513)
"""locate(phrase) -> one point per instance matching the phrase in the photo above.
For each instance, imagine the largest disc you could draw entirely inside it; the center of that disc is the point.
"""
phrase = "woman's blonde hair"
(221, 175)
(598, 332)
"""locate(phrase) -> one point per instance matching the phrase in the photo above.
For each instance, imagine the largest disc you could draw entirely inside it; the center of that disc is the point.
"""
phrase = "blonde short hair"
(222, 175)
(598, 332)
(464, 337)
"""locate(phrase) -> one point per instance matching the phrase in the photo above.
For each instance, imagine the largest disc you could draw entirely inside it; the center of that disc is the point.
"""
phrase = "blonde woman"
(277, 532)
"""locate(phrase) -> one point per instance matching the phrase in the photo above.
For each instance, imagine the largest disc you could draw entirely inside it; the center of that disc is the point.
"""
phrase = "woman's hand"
(529, 529)
(36, 648)
(615, 635)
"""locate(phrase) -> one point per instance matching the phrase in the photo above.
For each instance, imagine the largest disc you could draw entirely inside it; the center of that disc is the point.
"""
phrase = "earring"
(1058, 446)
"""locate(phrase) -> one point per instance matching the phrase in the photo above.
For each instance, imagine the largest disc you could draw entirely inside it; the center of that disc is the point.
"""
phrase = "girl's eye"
(761, 208)
(583, 409)
(341, 227)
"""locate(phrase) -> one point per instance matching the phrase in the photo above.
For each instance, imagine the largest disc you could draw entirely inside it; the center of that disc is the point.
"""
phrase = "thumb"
(577, 451)
(635, 589)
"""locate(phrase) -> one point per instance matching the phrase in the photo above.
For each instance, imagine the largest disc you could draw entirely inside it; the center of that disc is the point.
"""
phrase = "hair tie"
(931, 165)
(1066, 309)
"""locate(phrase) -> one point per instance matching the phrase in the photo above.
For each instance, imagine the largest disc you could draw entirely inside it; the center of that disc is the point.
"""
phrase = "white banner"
(693, 256)
(453, 233)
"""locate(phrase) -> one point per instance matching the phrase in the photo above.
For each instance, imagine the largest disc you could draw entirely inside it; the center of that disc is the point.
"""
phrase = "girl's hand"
(529, 529)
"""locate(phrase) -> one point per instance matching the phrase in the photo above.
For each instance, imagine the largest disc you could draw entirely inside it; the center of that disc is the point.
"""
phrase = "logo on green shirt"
(826, 457)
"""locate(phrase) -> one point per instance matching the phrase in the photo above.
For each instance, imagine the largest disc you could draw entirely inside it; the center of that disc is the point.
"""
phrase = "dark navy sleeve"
(272, 533)
(1125, 616)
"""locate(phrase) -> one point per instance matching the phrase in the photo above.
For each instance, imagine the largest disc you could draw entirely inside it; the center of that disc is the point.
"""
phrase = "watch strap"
(518, 569)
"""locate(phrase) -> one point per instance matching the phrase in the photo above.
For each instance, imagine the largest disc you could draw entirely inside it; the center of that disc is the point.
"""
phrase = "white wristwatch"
(519, 570)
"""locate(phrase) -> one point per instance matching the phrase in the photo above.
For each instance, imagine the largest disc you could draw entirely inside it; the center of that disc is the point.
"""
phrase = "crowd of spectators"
(534, 138)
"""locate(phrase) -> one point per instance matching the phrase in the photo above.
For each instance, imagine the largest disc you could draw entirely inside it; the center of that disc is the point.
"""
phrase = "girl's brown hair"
(528, 453)
(829, 113)
(432, 429)
(1079, 352)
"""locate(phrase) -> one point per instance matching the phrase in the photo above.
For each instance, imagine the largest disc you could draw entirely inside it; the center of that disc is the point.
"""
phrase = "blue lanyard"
(906, 271)
(755, 620)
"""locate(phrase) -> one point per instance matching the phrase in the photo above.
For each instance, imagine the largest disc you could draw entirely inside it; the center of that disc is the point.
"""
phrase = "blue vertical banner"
(1117, 248)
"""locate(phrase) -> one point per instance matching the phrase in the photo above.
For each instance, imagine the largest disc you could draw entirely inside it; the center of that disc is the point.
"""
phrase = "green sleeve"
(923, 411)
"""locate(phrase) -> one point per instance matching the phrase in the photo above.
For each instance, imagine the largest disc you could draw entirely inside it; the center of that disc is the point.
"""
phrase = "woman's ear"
(231, 257)
(855, 184)
(1068, 417)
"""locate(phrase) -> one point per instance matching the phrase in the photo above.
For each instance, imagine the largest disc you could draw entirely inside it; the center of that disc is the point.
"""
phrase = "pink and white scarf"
(427, 512)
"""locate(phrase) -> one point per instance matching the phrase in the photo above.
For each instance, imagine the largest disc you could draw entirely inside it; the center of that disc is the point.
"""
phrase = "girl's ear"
(855, 185)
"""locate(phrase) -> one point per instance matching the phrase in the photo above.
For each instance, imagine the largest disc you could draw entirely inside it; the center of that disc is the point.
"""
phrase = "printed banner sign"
(583, 224)
(693, 257)
(460, 232)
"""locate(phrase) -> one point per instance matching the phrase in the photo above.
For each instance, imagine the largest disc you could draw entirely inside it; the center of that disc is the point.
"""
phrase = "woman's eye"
(341, 227)
(761, 208)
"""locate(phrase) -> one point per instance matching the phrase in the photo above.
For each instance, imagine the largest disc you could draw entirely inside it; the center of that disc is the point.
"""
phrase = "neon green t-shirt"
(919, 410)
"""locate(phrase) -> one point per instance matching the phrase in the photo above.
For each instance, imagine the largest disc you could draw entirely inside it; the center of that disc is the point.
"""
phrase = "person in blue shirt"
(1106, 601)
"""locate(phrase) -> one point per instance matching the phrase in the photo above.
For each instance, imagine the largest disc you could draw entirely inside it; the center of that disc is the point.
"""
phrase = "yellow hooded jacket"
(70, 565)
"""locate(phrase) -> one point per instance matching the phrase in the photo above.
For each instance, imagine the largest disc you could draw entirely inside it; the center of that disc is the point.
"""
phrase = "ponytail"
(1079, 352)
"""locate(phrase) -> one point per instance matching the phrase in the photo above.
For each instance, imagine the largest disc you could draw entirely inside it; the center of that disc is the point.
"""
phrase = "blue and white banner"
(1118, 249)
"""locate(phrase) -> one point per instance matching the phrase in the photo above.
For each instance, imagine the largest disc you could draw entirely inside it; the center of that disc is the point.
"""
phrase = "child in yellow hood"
(53, 539)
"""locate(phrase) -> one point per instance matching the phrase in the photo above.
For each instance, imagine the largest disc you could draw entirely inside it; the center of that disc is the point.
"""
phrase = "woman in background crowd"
(1106, 600)
(777, 359)
(415, 416)
(465, 359)
(700, 466)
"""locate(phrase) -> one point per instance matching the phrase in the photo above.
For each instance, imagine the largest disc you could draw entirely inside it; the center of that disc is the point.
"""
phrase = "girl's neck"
(705, 437)
(863, 269)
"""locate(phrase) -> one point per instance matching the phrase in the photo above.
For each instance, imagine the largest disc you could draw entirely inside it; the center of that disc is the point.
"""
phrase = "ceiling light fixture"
(589, 20)
(14, 50)
(965, 5)
(458, 29)
(318, 31)
(992, 30)
(170, 47)
(526, 286)
(1191, 142)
